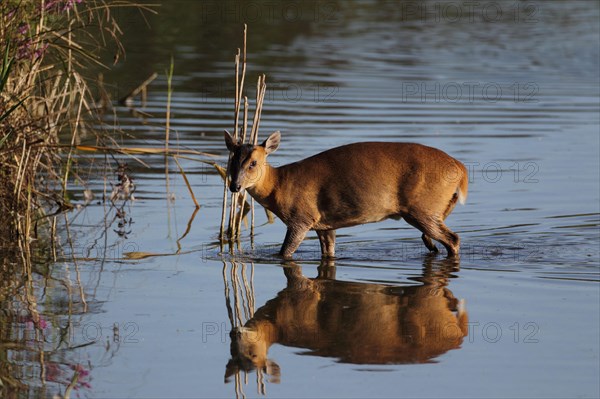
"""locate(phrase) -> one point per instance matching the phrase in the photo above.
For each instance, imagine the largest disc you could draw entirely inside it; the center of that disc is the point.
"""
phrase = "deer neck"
(264, 190)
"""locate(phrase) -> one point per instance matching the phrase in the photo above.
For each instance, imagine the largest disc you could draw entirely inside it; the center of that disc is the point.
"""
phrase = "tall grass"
(47, 99)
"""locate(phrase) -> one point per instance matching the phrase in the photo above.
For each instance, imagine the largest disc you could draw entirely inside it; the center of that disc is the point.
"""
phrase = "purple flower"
(24, 49)
(80, 370)
(69, 4)
(30, 323)
(43, 324)
(39, 52)
(50, 5)
(83, 374)
(23, 29)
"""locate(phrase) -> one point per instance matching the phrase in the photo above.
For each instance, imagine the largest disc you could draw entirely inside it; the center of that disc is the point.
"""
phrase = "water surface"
(514, 96)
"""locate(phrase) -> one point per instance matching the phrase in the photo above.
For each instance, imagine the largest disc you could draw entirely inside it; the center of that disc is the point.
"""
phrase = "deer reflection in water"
(360, 323)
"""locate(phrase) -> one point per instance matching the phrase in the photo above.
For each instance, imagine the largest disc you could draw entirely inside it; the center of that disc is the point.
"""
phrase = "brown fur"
(354, 322)
(351, 185)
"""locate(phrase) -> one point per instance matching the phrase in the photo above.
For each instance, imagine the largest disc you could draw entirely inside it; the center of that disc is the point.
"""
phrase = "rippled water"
(514, 96)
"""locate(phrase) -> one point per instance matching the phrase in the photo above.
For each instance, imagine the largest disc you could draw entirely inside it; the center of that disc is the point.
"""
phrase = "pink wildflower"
(80, 370)
(23, 29)
(69, 4)
(38, 53)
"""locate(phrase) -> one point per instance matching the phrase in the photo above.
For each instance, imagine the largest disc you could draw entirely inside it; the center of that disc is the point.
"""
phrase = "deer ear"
(272, 143)
(273, 370)
(230, 142)
(231, 369)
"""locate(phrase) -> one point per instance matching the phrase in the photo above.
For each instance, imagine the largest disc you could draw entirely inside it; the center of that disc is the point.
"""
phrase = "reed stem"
(240, 134)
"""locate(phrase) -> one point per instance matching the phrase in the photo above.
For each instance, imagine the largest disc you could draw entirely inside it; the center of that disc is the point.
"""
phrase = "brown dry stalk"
(140, 89)
(253, 139)
(238, 201)
(238, 92)
(187, 183)
(48, 63)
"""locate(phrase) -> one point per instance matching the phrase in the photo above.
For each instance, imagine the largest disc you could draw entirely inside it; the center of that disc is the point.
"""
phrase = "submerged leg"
(448, 238)
(327, 240)
(437, 230)
(428, 243)
(326, 269)
(293, 239)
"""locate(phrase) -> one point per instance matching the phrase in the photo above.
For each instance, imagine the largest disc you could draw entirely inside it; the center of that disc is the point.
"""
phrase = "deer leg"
(448, 238)
(327, 240)
(428, 243)
(436, 229)
(326, 269)
(293, 239)
(427, 240)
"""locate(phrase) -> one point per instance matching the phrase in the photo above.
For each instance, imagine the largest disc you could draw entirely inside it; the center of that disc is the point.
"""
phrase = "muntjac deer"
(351, 185)
(360, 323)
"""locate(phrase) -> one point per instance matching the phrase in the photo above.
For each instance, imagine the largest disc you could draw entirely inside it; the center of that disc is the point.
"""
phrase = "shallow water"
(515, 97)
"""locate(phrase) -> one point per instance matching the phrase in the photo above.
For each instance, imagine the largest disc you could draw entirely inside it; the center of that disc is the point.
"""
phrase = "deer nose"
(235, 187)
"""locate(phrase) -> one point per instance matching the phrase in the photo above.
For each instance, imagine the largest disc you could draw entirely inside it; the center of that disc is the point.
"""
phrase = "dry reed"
(240, 303)
(237, 208)
(49, 47)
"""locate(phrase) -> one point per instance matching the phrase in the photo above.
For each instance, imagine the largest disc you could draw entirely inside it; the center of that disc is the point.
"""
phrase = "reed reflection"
(50, 342)
(359, 323)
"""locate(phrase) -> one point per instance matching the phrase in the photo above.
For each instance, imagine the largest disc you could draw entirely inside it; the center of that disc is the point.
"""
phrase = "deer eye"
(252, 164)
